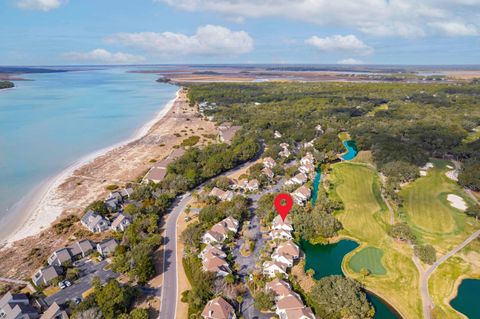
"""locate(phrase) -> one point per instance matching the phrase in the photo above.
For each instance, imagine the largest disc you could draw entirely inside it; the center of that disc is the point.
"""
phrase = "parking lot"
(88, 270)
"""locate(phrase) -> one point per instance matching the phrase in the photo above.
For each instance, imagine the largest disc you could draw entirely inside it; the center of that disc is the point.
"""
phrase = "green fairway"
(425, 205)
(369, 258)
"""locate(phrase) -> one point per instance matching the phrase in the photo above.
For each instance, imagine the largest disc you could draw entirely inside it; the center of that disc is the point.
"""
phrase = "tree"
(92, 313)
(402, 231)
(139, 313)
(142, 264)
(264, 301)
(400, 170)
(340, 297)
(470, 175)
(473, 211)
(112, 299)
(314, 225)
(426, 253)
(98, 207)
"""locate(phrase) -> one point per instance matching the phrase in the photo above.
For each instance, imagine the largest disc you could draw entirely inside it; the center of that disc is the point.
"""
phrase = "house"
(304, 313)
(126, 192)
(291, 302)
(283, 259)
(45, 275)
(307, 168)
(281, 234)
(221, 194)
(269, 162)
(308, 144)
(230, 223)
(279, 288)
(277, 134)
(60, 257)
(301, 195)
(226, 134)
(212, 250)
(95, 222)
(285, 152)
(54, 312)
(216, 265)
(268, 172)
(272, 268)
(213, 237)
(107, 247)
(155, 175)
(319, 129)
(218, 308)
(252, 185)
(307, 159)
(300, 179)
(288, 248)
(16, 306)
(81, 248)
(279, 224)
(121, 222)
(240, 184)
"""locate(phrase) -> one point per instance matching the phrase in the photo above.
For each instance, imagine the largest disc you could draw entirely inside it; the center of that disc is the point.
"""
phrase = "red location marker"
(283, 203)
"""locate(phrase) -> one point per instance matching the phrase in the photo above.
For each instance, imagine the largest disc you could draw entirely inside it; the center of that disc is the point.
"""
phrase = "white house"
(272, 268)
(301, 195)
(218, 308)
(279, 224)
(121, 222)
(281, 234)
(269, 162)
(298, 179)
(217, 265)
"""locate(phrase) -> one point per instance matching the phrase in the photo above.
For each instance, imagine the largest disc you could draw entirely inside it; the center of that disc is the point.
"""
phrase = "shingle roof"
(217, 308)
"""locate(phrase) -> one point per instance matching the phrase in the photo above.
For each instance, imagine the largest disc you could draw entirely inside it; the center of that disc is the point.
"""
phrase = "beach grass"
(365, 219)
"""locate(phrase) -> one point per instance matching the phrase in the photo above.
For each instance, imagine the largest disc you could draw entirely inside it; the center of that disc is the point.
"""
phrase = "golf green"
(369, 258)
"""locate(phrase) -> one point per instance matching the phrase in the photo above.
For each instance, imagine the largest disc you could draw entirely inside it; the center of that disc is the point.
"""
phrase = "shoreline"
(454, 294)
(36, 209)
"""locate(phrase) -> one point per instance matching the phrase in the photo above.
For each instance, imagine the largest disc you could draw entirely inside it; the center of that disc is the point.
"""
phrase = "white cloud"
(344, 43)
(43, 5)
(404, 18)
(208, 40)
(350, 61)
(456, 28)
(104, 56)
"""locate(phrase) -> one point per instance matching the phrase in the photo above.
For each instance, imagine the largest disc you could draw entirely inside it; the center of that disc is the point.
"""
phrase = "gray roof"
(51, 272)
(81, 247)
(108, 245)
(92, 219)
(63, 255)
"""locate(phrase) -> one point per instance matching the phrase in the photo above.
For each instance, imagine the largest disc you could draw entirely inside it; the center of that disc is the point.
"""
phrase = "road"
(87, 271)
(425, 275)
(168, 304)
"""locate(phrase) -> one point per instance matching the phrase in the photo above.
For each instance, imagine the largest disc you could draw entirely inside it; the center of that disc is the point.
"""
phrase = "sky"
(71, 32)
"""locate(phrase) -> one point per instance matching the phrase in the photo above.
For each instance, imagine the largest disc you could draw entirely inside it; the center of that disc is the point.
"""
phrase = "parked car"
(62, 285)
(67, 283)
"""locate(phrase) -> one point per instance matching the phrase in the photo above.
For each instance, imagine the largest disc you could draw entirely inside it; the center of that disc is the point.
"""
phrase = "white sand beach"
(44, 204)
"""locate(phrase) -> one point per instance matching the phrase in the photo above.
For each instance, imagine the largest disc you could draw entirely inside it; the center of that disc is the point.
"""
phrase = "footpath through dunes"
(365, 218)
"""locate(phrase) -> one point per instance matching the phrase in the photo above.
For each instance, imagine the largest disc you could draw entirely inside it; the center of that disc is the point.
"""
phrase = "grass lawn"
(365, 219)
(430, 214)
(369, 258)
(443, 284)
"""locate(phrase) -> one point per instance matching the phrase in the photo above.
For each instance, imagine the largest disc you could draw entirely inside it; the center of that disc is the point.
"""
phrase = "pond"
(466, 301)
(351, 150)
(316, 183)
(326, 260)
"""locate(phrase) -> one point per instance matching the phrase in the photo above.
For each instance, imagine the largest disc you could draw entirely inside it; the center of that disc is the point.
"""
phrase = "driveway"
(88, 270)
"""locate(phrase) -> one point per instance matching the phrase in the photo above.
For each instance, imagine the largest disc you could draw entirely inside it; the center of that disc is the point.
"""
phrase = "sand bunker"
(453, 175)
(457, 202)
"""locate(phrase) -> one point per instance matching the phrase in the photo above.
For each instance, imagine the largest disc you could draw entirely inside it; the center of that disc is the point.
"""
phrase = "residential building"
(81, 248)
(45, 275)
(107, 247)
(307, 159)
(281, 234)
(226, 134)
(219, 231)
(95, 222)
(291, 302)
(307, 168)
(17, 306)
(221, 194)
(218, 308)
(126, 192)
(268, 172)
(301, 195)
(269, 162)
(55, 312)
(60, 257)
(303, 313)
(121, 222)
(212, 250)
(277, 134)
(279, 288)
(155, 175)
(300, 179)
(279, 224)
(230, 223)
(252, 185)
(213, 237)
(287, 248)
(272, 268)
(216, 265)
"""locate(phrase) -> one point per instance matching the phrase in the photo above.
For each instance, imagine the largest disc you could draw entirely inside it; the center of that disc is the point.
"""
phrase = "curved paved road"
(425, 275)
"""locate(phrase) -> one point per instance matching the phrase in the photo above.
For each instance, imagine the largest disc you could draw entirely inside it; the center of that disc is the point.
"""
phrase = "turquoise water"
(466, 301)
(326, 260)
(49, 123)
(316, 183)
(352, 150)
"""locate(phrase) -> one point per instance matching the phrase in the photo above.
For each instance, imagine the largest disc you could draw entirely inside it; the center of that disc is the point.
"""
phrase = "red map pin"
(283, 203)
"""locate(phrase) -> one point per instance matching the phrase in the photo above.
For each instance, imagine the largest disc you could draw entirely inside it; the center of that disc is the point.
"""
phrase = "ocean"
(49, 123)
